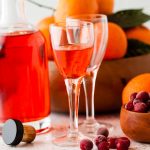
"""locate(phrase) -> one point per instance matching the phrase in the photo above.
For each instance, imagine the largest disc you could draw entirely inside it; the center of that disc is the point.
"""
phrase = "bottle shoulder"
(21, 28)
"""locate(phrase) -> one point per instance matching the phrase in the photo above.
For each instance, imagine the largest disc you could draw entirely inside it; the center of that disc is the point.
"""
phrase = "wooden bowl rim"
(135, 113)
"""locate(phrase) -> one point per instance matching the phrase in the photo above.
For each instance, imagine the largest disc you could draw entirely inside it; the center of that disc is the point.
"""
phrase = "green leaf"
(137, 48)
(129, 18)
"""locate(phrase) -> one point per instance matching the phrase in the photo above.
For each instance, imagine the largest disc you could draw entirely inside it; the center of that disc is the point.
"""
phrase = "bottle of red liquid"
(24, 84)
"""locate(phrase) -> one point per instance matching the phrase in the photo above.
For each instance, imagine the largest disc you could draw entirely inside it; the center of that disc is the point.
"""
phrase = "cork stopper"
(14, 132)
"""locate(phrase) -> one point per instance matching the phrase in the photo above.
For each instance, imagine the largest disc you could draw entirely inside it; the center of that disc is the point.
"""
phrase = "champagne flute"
(90, 125)
(73, 48)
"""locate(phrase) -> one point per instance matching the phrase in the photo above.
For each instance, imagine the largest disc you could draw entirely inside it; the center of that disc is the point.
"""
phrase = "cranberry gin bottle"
(24, 84)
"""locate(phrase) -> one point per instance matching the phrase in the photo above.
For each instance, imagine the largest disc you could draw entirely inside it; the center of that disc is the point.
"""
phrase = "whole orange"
(140, 33)
(106, 6)
(74, 7)
(138, 83)
(117, 42)
(43, 26)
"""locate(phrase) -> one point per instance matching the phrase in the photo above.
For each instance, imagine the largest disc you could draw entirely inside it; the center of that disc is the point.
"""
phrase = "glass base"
(68, 141)
(59, 131)
(41, 126)
(90, 127)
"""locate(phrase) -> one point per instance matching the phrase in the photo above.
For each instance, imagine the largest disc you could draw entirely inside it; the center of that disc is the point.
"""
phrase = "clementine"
(74, 7)
(140, 33)
(43, 26)
(106, 6)
(117, 42)
(138, 83)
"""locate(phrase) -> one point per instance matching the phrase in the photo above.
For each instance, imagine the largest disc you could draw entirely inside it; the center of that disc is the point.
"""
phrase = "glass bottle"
(24, 83)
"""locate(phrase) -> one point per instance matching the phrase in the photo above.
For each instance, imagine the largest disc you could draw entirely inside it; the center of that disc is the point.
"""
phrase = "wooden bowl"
(135, 125)
(111, 79)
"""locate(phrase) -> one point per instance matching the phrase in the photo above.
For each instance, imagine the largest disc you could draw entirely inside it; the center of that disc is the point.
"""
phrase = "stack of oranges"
(117, 41)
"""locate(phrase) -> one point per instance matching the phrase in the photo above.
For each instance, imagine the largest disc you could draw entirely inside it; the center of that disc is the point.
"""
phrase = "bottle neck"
(12, 12)
(13, 17)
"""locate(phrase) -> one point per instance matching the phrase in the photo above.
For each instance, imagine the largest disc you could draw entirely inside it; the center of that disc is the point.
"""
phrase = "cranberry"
(136, 101)
(133, 96)
(125, 140)
(129, 106)
(112, 142)
(103, 131)
(99, 139)
(143, 96)
(121, 145)
(86, 144)
(103, 146)
(140, 107)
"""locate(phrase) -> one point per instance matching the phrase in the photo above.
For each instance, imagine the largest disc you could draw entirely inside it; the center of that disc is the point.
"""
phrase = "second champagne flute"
(73, 48)
(91, 125)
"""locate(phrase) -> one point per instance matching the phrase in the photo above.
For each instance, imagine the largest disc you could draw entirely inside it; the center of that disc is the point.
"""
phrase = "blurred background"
(36, 13)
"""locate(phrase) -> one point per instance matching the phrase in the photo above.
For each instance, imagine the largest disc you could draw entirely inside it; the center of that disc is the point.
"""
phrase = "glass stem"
(89, 89)
(73, 90)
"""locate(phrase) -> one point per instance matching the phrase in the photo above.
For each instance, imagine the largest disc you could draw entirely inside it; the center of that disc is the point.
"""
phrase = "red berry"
(99, 139)
(103, 146)
(140, 107)
(121, 146)
(133, 96)
(129, 106)
(125, 140)
(86, 144)
(143, 96)
(136, 101)
(112, 142)
(103, 131)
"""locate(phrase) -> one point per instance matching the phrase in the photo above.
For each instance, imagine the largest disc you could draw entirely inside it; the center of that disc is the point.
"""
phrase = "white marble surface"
(43, 142)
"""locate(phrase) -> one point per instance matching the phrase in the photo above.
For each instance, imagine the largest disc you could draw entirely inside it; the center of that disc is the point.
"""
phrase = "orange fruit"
(43, 26)
(74, 7)
(140, 33)
(106, 6)
(117, 42)
(138, 83)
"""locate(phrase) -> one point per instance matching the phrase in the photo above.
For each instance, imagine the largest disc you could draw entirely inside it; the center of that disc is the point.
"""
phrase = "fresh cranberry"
(140, 107)
(136, 101)
(86, 144)
(125, 140)
(121, 145)
(103, 131)
(99, 139)
(129, 106)
(112, 142)
(133, 96)
(103, 146)
(143, 96)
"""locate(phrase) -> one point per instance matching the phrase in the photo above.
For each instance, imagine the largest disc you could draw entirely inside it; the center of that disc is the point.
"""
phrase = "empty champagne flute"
(73, 48)
(90, 126)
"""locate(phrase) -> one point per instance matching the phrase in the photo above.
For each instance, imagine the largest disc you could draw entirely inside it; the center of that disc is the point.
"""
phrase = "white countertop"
(43, 141)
